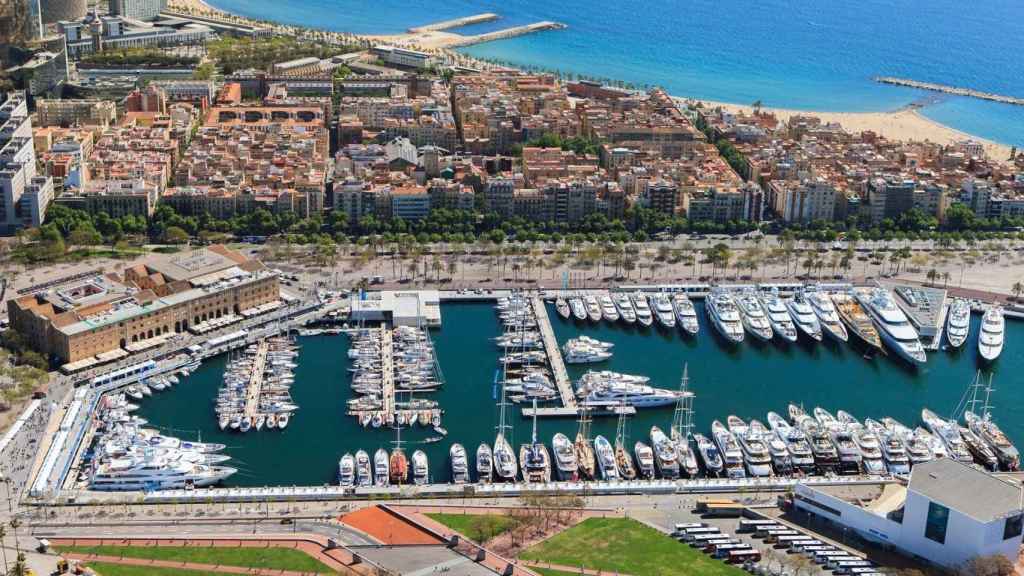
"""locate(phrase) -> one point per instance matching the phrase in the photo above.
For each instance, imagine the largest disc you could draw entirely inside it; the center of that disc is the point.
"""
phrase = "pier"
(387, 380)
(554, 354)
(252, 393)
(506, 33)
(455, 23)
(946, 89)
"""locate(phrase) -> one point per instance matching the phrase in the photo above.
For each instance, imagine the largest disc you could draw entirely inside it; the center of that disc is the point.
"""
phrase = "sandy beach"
(904, 124)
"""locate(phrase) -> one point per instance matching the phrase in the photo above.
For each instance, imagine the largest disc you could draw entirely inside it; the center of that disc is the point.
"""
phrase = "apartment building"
(24, 194)
(66, 113)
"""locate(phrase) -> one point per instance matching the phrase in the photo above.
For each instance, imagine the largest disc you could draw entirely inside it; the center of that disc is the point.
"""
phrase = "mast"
(534, 436)
(682, 418)
(620, 429)
(987, 408)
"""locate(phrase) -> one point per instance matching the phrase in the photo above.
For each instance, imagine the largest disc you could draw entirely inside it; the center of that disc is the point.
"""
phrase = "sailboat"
(623, 461)
(504, 457)
(584, 449)
(534, 457)
(981, 424)
(398, 464)
(682, 427)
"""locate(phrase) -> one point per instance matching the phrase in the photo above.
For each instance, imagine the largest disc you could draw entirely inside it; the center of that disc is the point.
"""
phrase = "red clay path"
(388, 528)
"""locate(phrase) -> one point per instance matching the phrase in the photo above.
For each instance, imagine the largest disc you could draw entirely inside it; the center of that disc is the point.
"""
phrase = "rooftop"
(966, 489)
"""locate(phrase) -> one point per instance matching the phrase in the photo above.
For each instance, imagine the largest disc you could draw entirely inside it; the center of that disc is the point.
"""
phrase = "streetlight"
(7, 487)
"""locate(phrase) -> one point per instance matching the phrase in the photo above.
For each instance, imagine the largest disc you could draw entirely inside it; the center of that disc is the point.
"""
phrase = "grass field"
(627, 546)
(475, 526)
(271, 558)
(549, 572)
(105, 569)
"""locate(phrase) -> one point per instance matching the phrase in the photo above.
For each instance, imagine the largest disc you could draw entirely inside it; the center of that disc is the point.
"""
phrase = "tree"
(175, 235)
(85, 235)
(993, 565)
(1017, 289)
(204, 71)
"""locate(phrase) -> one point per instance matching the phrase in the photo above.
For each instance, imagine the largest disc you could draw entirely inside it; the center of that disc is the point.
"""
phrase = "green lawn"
(475, 526)
(105, 569)
(544, 572)
(627, 546)
(270, 558)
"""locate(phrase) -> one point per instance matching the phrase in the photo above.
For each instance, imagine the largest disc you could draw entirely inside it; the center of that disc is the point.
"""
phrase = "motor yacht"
(605, 458)
(625, 307)
(919, 450)
(755, 321)
(661, 304)
(894, 451)
(566, 466)
(710, 456)
(826, 455)
(484, 464)
(643, 312)
(347, 471)
(782, 463)
(778, 316)
(857, 320)
(364, 472)
(380, 467)
(608, 310)
(644, 460)
(665, 456)
(990, 339)
(825, 310)
(729, 447)
(804, 317)
(420, 470)
(755, 452)
(579, 309)
(562, 307)
(850, 458)
(800, 452)
(686, 314)
(948, 433)
(893, 326)
(593, 308)
(724, 315)
(459, 463)
(869, 444)
(958, 322)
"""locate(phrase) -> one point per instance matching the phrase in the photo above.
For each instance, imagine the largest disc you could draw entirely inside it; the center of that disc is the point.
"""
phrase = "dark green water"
(746, 380)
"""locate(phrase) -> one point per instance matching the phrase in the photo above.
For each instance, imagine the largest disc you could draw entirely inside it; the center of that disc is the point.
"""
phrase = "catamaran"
(958, 322)
(990, 340)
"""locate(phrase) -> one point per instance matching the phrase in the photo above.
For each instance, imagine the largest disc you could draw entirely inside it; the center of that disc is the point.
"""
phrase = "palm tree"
(15, 524)
(1017, 289)
(932, 275)
(945, 279)
(3, 537)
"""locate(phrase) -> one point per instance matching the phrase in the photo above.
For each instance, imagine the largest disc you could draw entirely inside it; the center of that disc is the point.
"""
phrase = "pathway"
(572, 569)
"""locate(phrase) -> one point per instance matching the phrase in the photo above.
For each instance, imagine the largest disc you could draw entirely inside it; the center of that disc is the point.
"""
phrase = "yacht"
(536, 463)
(710, 457)
(347, 471)
(579, 309)
(608, 310)
(605, 458)
(661, 304)
(755, 451)
(849, 454)
(155, 471)
(566, 466)
(867, 441)
(609, 393)
(562, 307)
(778, 316)
(593, 308)
(893, 326)
(504, 460)
(857, 320)
(729, 447)
(781, 461)
(979, 449)
(643, 312)
(380, 467)
(894, 452)
(364, 473)
(919, 450)
(585, 452)
(484, 464)
(577, 352)
(958, 322)
(825, 310)
(460, 464)
(686, 314)
(800, 453)
(625, 307)
(948, 432)
(826, 455)
(937, 446)
(984, 428)
(804, 317)
(665, 457)
(754, 318)
(724, 315)
(990, 339)
(644, 460)
(398, 467)
(420, 471)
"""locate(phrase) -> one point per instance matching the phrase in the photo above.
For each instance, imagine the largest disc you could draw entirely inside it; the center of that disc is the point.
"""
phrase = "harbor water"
(747, 380)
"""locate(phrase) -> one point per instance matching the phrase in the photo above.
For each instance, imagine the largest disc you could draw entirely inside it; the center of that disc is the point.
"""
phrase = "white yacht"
(724, 315)
(566, 465)
(347, 471)
(643, 312)
(380, 467)
(755, 451)
(782, 463)
(958, 322)
(894, 452)
(607, 389)
(730, 449)
(579, 309)
(460, 464)
(625, 307)
(804, 317)
(800, 452)
(605, 458)
(504, 459)
(686, 314)
(608, 310)
(593, 308)
(562, 307)
(665, 457)
(364, 470)
(661, 304)
(157, 470)
(709, 455)
(644, 457)
(990, 339)
(893, 326)
(948, 432)
(754, 319)
(778, 316)
(825, 310)
(868, 442)
(984, 428)
(484, 466)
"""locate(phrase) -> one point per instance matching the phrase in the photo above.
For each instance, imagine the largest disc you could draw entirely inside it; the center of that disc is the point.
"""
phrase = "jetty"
(455, 23)
(505, 33)
(255, 388)
(387, 366)
(946, 89)
(557, 363)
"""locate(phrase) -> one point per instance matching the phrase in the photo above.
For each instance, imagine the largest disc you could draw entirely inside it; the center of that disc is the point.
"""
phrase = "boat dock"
(387, 365)
(455, 23)
(946, 89)
(506, 33)
(926, 308)
(255, 388)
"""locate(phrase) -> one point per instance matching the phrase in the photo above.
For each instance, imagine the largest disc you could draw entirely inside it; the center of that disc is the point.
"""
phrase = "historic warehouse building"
(106, 316)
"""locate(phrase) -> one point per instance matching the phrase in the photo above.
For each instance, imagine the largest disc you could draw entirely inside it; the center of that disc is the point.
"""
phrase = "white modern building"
(948, 514)
(402, 56)
(24, 196)
(137, 9)
(405, 308)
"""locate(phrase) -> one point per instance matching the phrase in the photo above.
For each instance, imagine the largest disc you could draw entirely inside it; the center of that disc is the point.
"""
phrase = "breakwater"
(954, 90)
(455, 23)
(506, 33)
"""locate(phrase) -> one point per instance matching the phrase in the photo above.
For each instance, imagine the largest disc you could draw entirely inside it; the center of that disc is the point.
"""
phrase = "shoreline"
(907, 123)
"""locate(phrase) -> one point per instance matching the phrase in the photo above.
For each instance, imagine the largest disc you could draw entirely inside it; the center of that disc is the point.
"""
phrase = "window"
(1013, 526)
(935, 524)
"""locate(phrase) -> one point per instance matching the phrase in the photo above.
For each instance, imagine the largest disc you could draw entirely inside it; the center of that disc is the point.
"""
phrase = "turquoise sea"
(746, 380)
(787, 53)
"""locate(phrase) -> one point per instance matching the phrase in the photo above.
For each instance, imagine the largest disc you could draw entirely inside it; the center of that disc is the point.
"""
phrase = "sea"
(746, 380)
(800, 54)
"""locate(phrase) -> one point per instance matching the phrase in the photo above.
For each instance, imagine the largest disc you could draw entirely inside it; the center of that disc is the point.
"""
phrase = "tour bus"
(741, 556)
(682, 528)
(748, 525)
(689, 533)
(869, 571)
(773, 535)
(823, 556)
(844, 566)
(714, 545)
(800, 545)
(727, 509)
(787, 541)
(762, 531)
(699, 540)
(724, 550)
(707, 544)
(833, 561)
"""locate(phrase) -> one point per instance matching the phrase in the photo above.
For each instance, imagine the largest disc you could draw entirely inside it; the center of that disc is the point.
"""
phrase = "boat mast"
(620, 430)
(682, 418)
(987, 408)
(534, 436)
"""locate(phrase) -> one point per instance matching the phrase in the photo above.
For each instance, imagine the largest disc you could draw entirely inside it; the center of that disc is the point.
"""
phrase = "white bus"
(126, 374)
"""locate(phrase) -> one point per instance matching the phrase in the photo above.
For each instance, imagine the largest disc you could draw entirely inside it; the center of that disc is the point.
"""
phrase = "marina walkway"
(255, 388)
(554, 354)
(387, 367)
